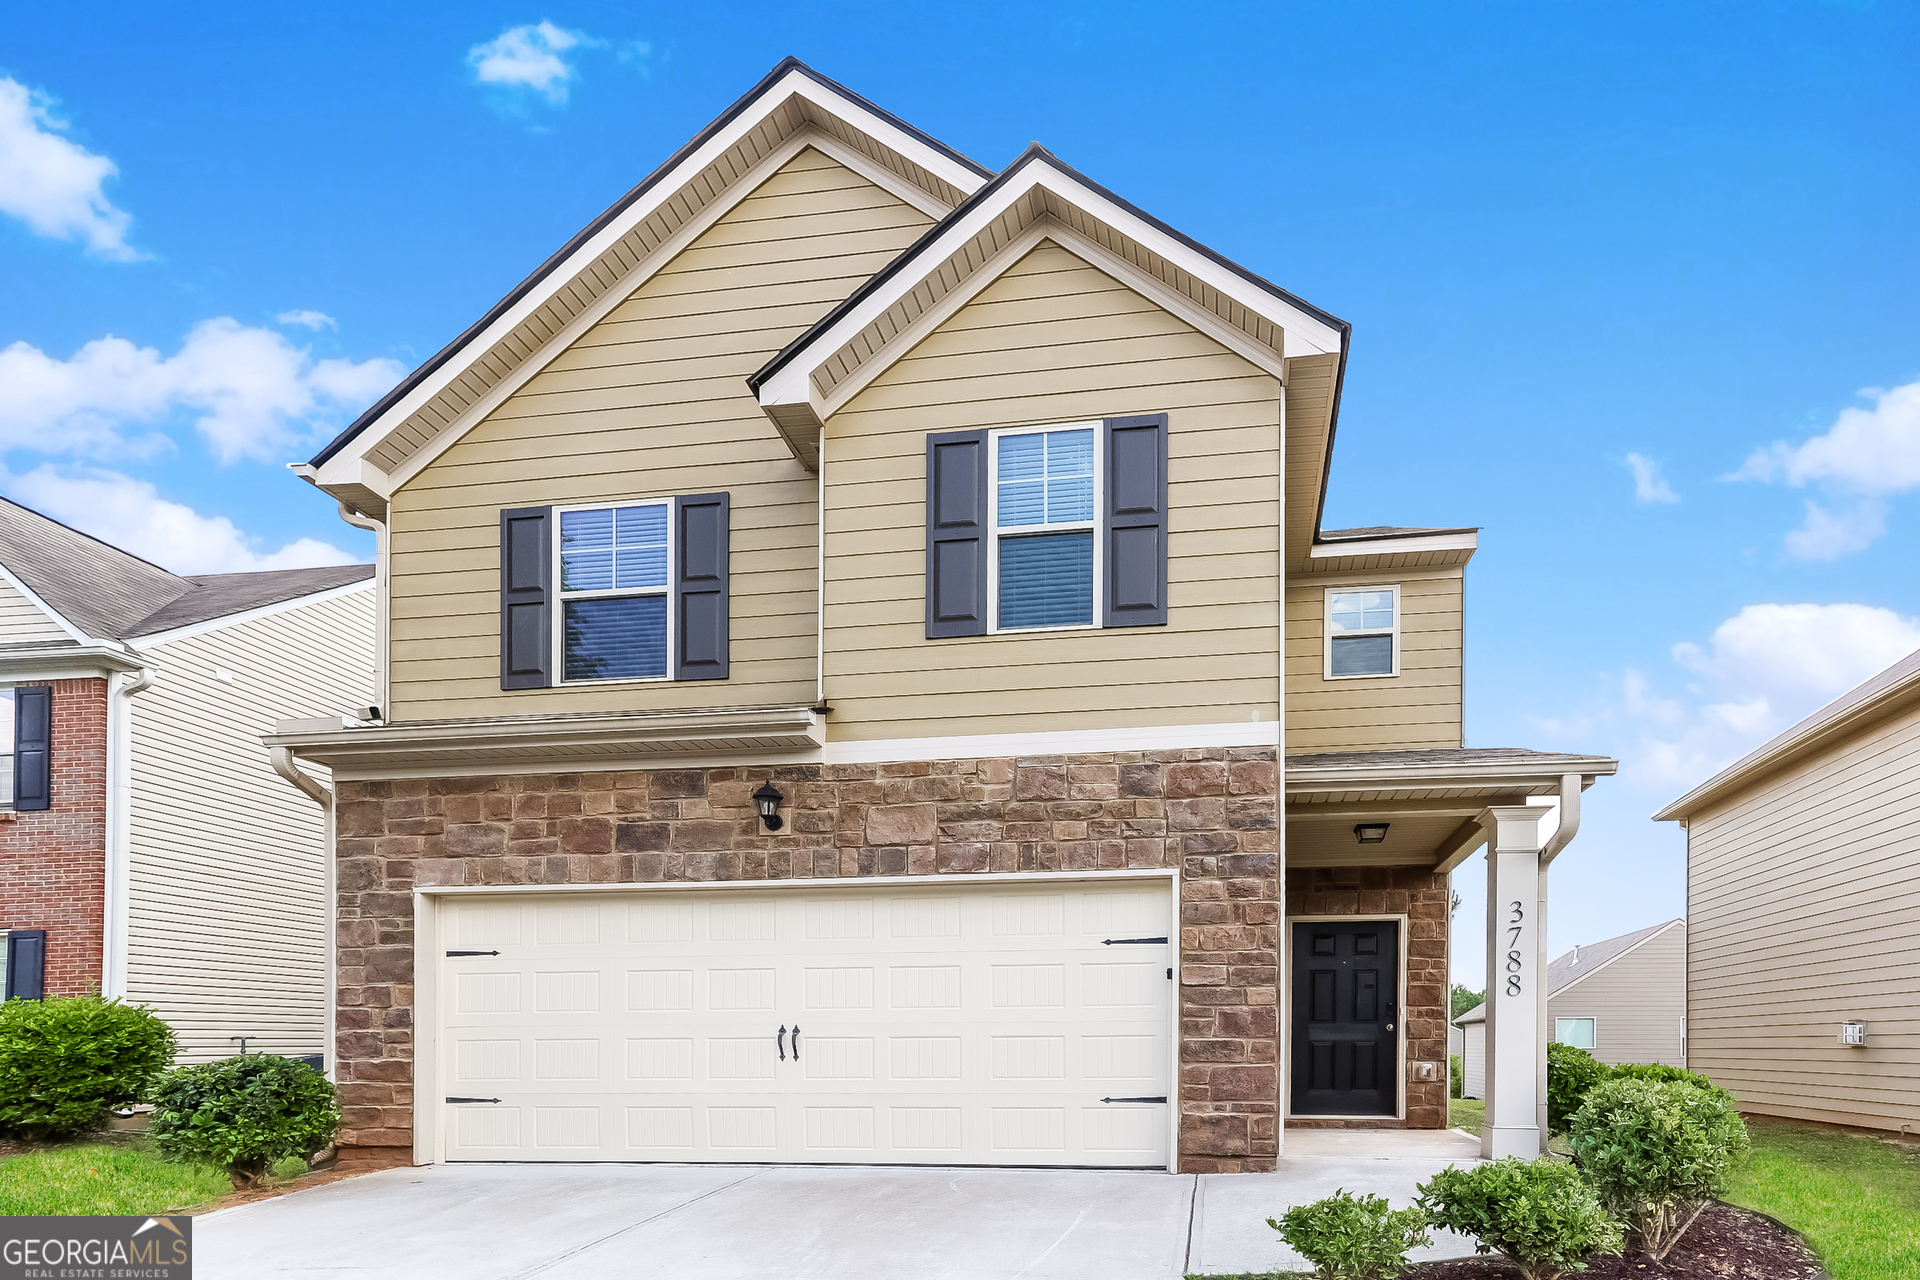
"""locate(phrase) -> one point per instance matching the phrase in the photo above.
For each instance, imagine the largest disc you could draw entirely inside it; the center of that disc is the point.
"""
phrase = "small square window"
(1577, 1033)
(1363, 633)
(613, 592)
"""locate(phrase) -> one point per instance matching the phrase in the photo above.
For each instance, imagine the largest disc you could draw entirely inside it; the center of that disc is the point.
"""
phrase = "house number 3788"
(1513, 955)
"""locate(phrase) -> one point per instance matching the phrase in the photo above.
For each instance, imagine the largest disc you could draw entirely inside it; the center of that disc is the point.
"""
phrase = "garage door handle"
(1133, 1099)
(1128, 942)
(796, 1042)
(781, 1040)
(473, 953)
(473, 1099)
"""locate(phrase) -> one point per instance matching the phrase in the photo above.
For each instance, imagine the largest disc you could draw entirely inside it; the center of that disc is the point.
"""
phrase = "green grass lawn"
(1855, 1198)
(98, 1178)
(1466, 1113)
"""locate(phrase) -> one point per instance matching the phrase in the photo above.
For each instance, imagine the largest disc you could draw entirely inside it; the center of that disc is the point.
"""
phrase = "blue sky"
(1633, 287)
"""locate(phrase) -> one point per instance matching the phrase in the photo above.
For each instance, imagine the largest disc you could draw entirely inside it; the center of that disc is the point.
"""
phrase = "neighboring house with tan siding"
(864, 680)
(1803, 879)
(153, 853)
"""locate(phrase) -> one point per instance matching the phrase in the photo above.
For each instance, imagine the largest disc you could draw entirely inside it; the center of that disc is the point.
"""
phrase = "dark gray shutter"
(701, 592)
(526, 598)
(1133, 527)
(957, 534)
(27, 964)
(33, 747)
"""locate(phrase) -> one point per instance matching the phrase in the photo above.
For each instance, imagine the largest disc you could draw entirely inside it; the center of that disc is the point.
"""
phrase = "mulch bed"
(1724, 1243)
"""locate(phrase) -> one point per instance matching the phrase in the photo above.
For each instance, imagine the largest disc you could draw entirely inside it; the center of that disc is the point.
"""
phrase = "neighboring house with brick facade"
(147, 849)
(838, 619)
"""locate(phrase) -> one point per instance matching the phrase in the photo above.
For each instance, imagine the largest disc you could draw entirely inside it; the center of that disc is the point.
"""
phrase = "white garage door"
(993, 1024)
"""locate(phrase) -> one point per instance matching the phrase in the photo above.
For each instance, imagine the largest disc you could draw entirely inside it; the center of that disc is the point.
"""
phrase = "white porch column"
(1516, 907)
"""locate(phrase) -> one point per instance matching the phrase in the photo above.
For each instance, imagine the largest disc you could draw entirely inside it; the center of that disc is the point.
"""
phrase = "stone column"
(1516, 909)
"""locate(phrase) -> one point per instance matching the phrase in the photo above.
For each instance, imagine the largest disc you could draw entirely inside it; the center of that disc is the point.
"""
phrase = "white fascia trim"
(645, 270)
(1255, 733)
(1305, 335)
(76, 633)
(1394, 546)
(251, 615)
(806, 882)
(1601, 967)
(343, 467)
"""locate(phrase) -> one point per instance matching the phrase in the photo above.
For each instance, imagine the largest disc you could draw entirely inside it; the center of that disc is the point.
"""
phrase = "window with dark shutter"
(1133, 521)
(701, 586)
(526, 598)
(27, 964)
(33, 747)
(956, 534)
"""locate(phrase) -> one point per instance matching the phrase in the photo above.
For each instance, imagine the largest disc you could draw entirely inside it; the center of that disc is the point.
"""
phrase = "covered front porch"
(1372, 838)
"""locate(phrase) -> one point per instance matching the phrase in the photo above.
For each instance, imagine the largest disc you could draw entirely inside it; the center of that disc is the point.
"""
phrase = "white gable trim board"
(992, 1019)
(72, 632)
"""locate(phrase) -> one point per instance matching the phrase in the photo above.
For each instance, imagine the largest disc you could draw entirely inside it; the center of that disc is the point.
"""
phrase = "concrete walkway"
(708, 1222)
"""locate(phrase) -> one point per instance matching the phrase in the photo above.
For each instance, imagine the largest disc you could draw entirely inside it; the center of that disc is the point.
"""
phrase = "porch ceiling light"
(1370, 832)
(768, 800)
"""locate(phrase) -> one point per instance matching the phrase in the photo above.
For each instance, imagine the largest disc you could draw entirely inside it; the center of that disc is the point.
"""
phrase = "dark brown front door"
(1346, 1018)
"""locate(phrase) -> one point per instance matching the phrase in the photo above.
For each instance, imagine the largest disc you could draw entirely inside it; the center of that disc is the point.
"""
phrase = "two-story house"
(838, 617)
(148, 852)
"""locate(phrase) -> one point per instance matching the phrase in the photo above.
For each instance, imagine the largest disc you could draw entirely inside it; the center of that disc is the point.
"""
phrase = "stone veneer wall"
(53, 862)
(1211, 812)
(1423, 898)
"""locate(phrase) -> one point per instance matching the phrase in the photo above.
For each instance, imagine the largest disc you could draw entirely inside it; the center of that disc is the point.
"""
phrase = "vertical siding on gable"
(226, 904)
(24, 622)
(651, 402)
(1420, 707)
(1056, 340)
(1802, 896)
(1636, 1002)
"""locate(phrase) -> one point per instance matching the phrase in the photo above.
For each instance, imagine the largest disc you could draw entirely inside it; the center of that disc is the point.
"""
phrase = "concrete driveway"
(706, 1222)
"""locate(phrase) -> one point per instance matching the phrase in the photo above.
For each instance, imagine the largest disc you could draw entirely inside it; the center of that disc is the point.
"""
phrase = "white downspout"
(118, 890)
(820, 584)
(282, 760)
(1567, 826)
(381, 608)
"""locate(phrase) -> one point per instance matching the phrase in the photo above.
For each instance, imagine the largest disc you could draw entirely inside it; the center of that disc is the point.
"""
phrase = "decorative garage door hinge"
(1161, 1099)
(496, 1099)
(1128, 942)
(473, 953)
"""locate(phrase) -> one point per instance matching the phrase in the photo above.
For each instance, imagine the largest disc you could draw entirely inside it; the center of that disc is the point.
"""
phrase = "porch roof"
(1431, 799)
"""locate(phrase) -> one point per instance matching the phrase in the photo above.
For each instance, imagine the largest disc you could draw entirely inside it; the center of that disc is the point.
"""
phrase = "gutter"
(1569, 824)
(382, 571)
(122, 688)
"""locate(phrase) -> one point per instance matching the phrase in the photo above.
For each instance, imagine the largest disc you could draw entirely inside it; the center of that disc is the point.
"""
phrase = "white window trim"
(1327, 632)
(561, 597)
(1594, 1022)
(994, 531)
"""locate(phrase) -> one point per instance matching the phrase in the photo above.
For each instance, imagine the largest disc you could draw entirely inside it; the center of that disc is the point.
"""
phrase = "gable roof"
(1476, 1014)
(1867, 702)
(110, 594)
(793, 105)
(1584, 962)
(1036, 197)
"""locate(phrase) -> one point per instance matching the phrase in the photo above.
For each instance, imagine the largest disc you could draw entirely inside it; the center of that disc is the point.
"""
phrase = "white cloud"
(307, 319)
(132, 515)
(53, 184)
(529, 57)
(1648, 484)
(1763, 669)
(250, 392)
(1867, 456)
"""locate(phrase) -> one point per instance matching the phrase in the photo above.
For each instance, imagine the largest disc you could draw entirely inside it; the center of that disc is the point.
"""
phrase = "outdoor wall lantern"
(768, 800)
(1370, 832)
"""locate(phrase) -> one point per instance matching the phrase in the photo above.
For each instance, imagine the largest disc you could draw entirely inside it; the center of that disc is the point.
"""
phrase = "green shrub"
(1539, 1214)
(1349, 1237)
(243, 1114)
(1456, 1077)
(1571, 1073)
(1664, 1074)
(1656, 1152)
(64, 1063)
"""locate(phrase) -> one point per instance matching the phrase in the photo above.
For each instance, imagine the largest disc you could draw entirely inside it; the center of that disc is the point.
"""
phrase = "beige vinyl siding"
(24, 622)
(1636, 1002)
(650, 402)
(1802, 897)
(1420, 707)
(226, 902)
(1056, 340)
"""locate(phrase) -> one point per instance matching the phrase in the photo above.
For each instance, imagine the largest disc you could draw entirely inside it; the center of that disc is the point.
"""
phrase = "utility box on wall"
(1853, 1033)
